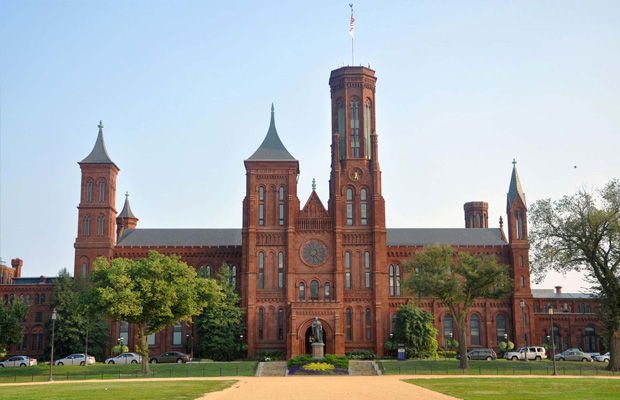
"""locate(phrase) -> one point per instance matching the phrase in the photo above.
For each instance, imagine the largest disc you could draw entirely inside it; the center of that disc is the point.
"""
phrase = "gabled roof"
(314, 207)
(99, 154)
(515, 188)
(126, 213)
(180, 237)
(272, 148)
(452, 236)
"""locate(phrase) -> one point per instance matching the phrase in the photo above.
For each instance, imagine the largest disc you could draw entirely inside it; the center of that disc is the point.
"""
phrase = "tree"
(220, 326)
(581, 232)
(457, 280)
(150, 293)
(416, 329)
(74, 319)
(11, 324)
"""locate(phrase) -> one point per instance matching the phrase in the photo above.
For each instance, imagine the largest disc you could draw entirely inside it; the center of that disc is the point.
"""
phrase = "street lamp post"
(450, 345)
(550, 311)
(524, 334)
(190, 340)
(391, 345)
(120, 341)
(240, 347)
(54, 317)
(505, 343)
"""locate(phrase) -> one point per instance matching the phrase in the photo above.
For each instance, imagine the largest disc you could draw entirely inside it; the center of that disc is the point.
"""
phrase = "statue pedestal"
(318, 350)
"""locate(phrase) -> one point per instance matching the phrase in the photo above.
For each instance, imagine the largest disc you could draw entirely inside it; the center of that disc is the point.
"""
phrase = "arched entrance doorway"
(309, 338)
(305, 331)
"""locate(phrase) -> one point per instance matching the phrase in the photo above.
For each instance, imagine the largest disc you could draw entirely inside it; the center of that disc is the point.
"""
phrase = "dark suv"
(480, 354)
(170, 357)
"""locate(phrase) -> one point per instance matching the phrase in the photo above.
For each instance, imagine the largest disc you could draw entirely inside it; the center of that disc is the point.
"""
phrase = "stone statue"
(317, 330)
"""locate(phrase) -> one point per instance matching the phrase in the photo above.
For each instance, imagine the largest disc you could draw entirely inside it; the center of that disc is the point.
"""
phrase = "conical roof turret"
(272, 148)
(99, 154)
(126, 212)
(515, 188)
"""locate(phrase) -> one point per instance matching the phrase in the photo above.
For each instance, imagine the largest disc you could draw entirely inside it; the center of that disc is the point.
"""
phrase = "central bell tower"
(356, 204)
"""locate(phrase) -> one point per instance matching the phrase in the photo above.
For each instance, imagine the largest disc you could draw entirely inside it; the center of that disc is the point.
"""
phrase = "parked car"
(573, 355)
(480, 354)
(125, 358)
(74, 359)
(19, 361)
(603, 358)
(533, 353)
(170, 357)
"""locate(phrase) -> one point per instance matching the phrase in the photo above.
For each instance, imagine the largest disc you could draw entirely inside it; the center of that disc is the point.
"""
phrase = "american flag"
(352, 20)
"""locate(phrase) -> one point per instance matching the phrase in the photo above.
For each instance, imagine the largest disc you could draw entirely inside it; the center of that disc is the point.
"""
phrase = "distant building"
(338, 263)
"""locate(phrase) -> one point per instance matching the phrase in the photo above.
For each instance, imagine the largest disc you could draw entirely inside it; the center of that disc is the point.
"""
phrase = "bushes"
(273, 355)
(360, 355)
(337, 361)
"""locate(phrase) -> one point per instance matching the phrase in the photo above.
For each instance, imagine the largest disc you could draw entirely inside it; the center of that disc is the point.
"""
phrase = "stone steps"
(361, 368)
(272, 368)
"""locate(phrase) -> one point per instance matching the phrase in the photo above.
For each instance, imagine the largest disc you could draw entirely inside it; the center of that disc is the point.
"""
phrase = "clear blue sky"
(184, 90)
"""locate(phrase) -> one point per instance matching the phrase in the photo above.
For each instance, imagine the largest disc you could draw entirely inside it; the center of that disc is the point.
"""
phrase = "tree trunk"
(460, 330)
(142, 347)
(614, 352)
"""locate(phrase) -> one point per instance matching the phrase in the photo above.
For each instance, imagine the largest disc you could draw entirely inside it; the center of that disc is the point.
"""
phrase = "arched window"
(6, 299)
(100, 224)
(471, 220)
(314, 290)
(102, 191)
(448, 327)
(397, 280)
(260, 323)
(281, 206)
(280, 324)
(302, 291)
(280, 270)
(177, 334)
(205, 271)
(355, 128)
(500, 327)
(590, 339)
(27, 299)
(89, 190)
(521, 261)
(391, 280)
(327, 294)
(348, 324)
(349, 207)
(474, 330)
(363, 207)
(556, 337)
(522, 281)
(367, 270)
(86, 228)
(43, 299)
(36, 300)
(233, 275)
(368, 325)
(84, 270)
(347, 267)
(261, 205)
(342, 129)
(123, 330)
(261, 270)
(367, 127)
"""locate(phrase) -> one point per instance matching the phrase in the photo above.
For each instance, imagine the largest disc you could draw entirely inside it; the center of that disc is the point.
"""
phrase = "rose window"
(314, 252)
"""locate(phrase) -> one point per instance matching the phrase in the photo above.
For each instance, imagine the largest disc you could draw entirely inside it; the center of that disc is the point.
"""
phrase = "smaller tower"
(476, 214)
(125, 220)
(516, 208)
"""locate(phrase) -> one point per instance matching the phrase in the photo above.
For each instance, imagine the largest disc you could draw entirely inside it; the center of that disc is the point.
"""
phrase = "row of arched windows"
(205, 271)
(395, 277)
(349, 325)
(261, 270)
(280, 206)
(9, 299)
(363, 207)
(261, 324)
(365, 267)
(100, 226)
(314, 291)
(587, 343)
(35, 338)
(100, 192)
(474, 328)
(357, 149)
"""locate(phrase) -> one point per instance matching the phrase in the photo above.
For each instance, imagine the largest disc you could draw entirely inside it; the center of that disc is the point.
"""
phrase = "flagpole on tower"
(352, 36)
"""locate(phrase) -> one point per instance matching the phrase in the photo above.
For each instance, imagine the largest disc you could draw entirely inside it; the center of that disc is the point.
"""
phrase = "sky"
(184, 89)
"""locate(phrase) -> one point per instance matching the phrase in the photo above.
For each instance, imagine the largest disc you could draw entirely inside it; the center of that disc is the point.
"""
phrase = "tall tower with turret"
(96, 211)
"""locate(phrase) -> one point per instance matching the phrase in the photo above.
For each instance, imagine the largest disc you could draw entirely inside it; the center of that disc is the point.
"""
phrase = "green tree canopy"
(219, 326)
(416, 329)
(581, 232)
(74, 320)
(11, 324)
(150, 293)
(457, 279)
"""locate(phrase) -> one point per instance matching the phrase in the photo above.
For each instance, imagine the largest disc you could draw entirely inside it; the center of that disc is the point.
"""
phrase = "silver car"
(125, 358)
(19, 361)
(573, 355)
(602, 358)
(75, 359)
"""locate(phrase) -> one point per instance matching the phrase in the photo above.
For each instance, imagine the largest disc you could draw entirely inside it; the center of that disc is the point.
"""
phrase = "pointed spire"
(313, 184)
(272, 148)
(515, 188)
(126, 212)
(99, 154)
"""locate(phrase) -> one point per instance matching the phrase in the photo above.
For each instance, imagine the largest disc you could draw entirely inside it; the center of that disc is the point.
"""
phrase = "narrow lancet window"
(355, 128)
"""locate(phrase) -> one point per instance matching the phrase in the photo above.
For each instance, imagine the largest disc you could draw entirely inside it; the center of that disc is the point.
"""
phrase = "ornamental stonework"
(314, 253)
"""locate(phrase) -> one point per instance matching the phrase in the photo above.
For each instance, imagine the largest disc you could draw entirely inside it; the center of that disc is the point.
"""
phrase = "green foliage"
(118, 350)
(150, 293)
(457, 279)
(416, 329)
(361, 355)
(581, 232)
(452, 343)
(337, 361)
(318, 366)
(220, 325)
(505, 347)
(273, 355)
(11, 326)
(75, 319)
(300, 359)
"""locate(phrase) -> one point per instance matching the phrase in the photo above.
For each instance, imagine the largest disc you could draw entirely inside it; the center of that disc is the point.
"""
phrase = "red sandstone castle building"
(340, 263)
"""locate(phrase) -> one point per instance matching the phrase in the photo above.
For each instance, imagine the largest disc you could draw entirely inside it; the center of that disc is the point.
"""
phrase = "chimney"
(17, 263)
(558, 289)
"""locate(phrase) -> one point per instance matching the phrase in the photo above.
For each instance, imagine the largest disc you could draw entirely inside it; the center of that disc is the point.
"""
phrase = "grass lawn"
(116, 390)
(496, 367)
(522, 388)
(40, 373)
